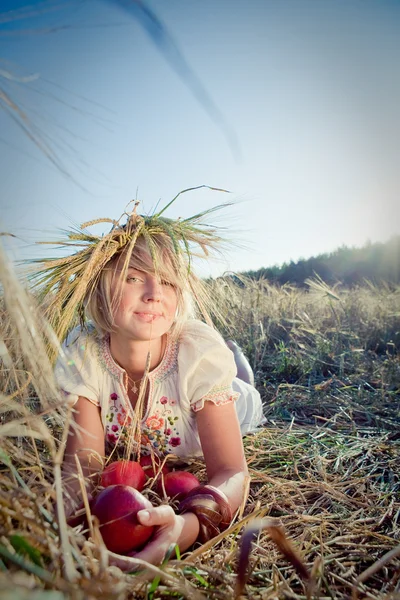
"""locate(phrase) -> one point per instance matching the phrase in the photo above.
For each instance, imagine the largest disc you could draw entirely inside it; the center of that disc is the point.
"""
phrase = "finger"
(154, 552)
(128, 563)
(124, 563)
(159, 515)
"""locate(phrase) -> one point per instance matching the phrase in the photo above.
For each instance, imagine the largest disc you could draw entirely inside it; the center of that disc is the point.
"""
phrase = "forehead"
(141, 258)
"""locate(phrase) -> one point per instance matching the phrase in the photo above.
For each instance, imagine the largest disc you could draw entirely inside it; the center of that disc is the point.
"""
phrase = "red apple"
(178, 483)
(125, 472)
(116, 508)
(147, 464)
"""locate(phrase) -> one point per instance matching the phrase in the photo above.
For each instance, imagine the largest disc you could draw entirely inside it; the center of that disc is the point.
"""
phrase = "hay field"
(325, 468)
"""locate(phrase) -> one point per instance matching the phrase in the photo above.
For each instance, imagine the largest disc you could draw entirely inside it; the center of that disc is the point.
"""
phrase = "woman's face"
(147, 306)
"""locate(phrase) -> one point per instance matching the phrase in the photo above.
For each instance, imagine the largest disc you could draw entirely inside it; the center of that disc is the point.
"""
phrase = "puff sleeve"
(206, 366)
(76, 368)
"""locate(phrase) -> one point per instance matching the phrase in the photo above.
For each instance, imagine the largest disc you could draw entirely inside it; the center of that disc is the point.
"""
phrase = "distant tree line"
(377, 262)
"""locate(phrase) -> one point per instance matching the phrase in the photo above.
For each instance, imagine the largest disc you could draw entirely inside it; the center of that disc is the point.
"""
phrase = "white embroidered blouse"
(197, 367)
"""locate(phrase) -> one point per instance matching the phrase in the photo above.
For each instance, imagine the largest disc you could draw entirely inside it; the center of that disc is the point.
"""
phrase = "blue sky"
(309, 91)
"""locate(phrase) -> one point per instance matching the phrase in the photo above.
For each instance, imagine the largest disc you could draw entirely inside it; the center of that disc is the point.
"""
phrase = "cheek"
(127, 296)
(172, 302)
(120, 306)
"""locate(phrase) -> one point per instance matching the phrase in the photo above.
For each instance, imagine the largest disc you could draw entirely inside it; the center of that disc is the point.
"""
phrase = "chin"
(147, 336)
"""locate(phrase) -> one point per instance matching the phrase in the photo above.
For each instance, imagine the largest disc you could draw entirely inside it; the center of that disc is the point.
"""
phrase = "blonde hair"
(81, 283)
(160, 260)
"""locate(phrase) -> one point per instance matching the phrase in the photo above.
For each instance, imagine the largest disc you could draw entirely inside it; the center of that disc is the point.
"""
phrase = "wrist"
(190, 530)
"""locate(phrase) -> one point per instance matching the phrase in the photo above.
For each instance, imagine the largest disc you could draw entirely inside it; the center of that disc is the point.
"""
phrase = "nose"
(153, 291)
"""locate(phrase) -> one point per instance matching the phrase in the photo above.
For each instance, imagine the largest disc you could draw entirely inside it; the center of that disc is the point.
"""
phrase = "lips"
(148, 317)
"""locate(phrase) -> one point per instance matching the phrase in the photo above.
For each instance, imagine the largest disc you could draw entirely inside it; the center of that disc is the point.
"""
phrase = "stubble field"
(325, 469)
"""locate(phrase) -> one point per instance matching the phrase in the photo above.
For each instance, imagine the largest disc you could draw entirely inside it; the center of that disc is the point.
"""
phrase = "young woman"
(146, 367)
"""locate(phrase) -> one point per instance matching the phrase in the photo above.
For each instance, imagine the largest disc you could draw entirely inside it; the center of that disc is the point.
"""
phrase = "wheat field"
(325, 468)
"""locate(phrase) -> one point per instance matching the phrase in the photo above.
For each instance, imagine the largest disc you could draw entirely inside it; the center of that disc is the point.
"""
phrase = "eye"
(165, 282)
(132, 278)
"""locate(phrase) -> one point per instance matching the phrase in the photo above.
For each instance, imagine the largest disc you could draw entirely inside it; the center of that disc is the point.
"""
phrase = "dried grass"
(326, 467)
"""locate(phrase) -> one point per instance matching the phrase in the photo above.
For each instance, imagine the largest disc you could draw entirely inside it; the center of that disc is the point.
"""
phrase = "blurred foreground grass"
(326, 465)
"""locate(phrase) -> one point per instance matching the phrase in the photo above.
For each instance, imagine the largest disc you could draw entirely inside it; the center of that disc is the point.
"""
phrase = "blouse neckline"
(159, 372)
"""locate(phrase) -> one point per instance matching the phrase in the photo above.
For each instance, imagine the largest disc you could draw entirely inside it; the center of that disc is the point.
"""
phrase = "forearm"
(91, 465)
(85, 442)
(189, 531)
(73, 487)
(223, 451)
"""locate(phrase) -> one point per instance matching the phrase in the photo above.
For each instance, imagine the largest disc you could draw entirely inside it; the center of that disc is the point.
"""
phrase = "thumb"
(144, 517)
(159, 515)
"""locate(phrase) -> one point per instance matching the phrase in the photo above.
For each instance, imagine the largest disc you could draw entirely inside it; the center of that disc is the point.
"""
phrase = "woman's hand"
(170, 529)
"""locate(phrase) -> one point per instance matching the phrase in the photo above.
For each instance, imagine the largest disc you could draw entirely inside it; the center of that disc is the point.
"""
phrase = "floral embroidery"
(160, 430)
(175, 441)
(123, 419)
(155, 422)
(105, 359)
(145, 440)
(220, 395)
(168, 365)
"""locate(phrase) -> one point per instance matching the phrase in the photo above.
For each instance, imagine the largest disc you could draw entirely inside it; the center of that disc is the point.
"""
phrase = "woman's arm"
(87, 442)
(222, 445)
